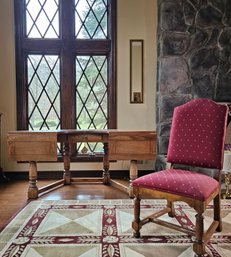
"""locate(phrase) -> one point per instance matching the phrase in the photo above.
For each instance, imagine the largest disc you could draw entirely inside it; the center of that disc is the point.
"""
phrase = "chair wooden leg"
(198, 245)
(136, 225)
(217, 211)
(172, 212)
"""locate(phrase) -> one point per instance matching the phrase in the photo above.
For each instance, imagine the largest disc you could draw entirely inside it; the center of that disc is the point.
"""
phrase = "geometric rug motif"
(102, 228)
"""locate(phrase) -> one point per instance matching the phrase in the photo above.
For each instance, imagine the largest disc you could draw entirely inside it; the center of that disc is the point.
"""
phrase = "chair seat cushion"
(181, 182)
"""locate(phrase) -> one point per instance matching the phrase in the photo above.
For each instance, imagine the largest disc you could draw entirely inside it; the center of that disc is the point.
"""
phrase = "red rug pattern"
(102, 228)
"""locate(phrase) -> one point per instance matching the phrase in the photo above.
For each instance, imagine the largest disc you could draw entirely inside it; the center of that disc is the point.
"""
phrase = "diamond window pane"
(43, 92)
(91, 19)
(91, 95)
(42, 18)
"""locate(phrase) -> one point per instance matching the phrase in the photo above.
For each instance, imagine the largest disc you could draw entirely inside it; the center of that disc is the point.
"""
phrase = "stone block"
(165, 129)
(204, 87)
(209, 16)
(175, 43)
(169, 102)
(189, 13)
(163, 145)
(171, 17)
(174, 74)
(225, 37)
(224, 88)
(205, 61)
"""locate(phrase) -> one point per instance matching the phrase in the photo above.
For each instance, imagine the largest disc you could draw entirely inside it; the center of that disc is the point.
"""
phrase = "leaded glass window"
(42, 18)
(91, 18)
(43, 92)
(65, 63)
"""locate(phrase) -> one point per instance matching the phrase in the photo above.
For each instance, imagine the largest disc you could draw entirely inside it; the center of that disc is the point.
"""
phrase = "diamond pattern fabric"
(197, 134)
(180, 182)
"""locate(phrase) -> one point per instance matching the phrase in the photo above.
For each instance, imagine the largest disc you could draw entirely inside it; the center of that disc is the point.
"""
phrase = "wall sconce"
(136, 71)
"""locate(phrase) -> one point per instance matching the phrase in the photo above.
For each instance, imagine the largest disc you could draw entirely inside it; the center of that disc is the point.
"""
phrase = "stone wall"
(194, 57)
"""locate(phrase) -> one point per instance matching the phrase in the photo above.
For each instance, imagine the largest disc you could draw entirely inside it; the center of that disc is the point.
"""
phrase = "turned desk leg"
(33, 176)
(106, 174)
(66, 161)
(133, 176)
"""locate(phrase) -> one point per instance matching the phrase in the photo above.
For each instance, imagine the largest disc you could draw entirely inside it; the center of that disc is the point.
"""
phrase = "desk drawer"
(32, 147)
(132, 146)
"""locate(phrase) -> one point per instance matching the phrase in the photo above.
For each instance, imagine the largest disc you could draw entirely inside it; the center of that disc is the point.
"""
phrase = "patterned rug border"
(22, 218)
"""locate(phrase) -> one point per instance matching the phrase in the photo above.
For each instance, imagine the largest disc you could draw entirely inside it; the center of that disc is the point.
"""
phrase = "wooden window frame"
(67, 47)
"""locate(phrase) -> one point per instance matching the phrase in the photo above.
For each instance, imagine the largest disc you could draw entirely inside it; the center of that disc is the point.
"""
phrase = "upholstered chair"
(196, 140)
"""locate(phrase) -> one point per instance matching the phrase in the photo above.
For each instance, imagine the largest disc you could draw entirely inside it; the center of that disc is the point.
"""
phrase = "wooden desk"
(34, 146)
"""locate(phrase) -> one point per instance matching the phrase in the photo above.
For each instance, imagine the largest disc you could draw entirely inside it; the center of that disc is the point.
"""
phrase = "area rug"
(102, 228)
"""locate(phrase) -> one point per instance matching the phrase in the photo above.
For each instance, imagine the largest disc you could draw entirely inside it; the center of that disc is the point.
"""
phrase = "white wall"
(7, 76)
(137, 19)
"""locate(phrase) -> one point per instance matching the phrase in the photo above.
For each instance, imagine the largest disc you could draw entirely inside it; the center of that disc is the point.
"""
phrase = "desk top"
(42, 145)
(81, 131)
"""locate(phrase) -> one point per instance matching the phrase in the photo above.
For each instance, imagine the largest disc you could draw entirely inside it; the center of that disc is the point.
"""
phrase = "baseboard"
(115, 174)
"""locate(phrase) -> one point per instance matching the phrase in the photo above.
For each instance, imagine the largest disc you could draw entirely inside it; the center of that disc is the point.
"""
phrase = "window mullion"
(92, 46)
(67, 75)
(112, 114)
(22, 122)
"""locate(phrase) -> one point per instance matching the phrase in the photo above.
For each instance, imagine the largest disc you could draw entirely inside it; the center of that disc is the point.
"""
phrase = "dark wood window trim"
(66, 47)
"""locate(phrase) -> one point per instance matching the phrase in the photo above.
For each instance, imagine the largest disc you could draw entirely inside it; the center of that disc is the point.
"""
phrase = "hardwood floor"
(13, 195)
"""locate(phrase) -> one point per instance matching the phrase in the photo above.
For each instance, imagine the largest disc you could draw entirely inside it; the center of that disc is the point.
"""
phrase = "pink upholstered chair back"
(198, 133)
